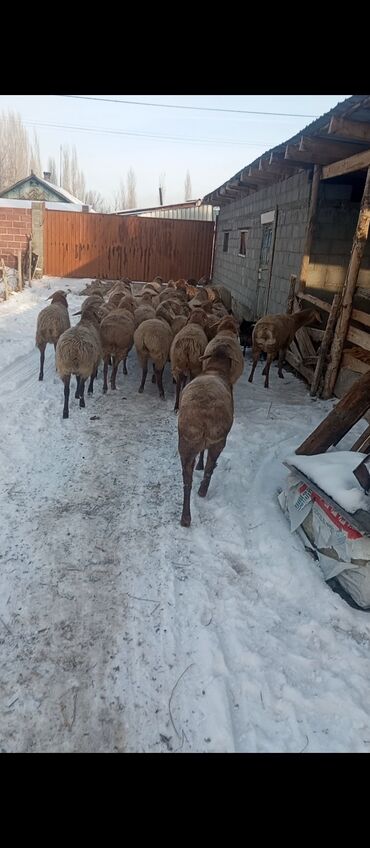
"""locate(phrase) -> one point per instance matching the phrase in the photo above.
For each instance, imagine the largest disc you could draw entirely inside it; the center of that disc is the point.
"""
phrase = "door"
(264, 269)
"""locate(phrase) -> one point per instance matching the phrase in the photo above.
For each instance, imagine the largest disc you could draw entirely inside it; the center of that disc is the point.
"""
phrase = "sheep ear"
(202, 358)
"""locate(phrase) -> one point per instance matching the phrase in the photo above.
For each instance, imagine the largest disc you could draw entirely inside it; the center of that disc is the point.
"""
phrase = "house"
(303, 208)
(190, 210)
(33, 188)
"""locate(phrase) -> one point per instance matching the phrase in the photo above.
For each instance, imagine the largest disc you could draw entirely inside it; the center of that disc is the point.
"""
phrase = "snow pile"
(333, 473)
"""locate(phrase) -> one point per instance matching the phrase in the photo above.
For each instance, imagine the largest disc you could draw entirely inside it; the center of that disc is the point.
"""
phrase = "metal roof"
(328, 139)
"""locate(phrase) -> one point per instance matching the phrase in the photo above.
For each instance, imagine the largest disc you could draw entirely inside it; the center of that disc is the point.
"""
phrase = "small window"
(243, 242)
(225, 247)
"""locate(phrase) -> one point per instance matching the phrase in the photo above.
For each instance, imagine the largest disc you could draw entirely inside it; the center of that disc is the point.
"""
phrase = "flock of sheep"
(189, 325)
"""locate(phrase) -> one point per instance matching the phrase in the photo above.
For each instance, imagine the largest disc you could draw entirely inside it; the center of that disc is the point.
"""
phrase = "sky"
(157, 141)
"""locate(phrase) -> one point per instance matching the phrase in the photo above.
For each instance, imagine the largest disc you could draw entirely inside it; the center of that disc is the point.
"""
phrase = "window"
(225, 247)
(243, 242)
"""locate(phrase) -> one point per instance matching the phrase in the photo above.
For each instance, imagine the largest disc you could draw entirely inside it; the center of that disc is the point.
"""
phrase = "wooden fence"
(110, 246)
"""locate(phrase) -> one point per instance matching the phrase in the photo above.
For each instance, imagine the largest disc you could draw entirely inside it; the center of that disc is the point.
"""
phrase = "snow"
(333, 473)
(122, 631)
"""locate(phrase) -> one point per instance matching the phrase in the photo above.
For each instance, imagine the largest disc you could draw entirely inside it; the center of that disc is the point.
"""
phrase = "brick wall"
(240, 273)
(15, 226)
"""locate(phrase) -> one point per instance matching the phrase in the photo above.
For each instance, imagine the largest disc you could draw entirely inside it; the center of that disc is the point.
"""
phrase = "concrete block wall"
(240, 273)
(15, 226)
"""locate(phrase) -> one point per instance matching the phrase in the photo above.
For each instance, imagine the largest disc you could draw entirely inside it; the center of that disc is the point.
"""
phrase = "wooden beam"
(290, 301)
(342, 418)
(312, 215)
(329, 148)
(325, 344)
(348, 290)
(349, 129)
(261, 176)
(272, 254)
(358, 337)
(276, 167)
(362, 444)
(306, 372)
(315, 334)
(346, 166)
(305, 160)
(316, 301)
(349, 361)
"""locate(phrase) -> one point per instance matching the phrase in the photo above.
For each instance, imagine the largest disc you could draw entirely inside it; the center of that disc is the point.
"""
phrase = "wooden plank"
(349, 129)
(322, 304)
(348, 290)
(329, 147)
(358, 337)
(360, 317)
(349, 361)
(347, 166)
(311, 223)
(362, 444)
(306, 372)
(291, 295)
(303, 160)
(305, 344)
(340, 420)
(316, 335)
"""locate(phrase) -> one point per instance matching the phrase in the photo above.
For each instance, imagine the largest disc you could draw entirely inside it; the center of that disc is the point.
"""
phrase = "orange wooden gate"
(84, 244)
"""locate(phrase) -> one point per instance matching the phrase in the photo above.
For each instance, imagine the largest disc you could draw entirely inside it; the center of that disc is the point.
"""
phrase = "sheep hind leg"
(212, 457)
(179, 385)
(256, 356)
(77, 392)
(93, 377)
(200, 463)
(282, 355)
(66, 381)
(114, 373)
(187, 462)
(42, 360)
(153, 375)
(158, 376)
(105, 373)
(143, 378)
(266, 370)
(124, 367)
(82, 392)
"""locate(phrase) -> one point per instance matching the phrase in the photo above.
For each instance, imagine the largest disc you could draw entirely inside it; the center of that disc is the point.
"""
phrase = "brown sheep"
(274, 333)
(205, 420)
(187, 347)
(79, 352)
(227, 334)
(152, 340)
(117, 338)
(51, 323)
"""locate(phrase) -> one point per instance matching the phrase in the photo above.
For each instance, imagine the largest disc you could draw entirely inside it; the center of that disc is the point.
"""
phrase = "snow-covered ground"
(122, 631)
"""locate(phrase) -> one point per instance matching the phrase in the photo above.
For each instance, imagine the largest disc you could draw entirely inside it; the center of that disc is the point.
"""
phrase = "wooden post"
(345, 415)
(312, 213)
(348, 290)
(290, 301)
(20, 276)
(30, 260)
(325, 344)
(5, 278)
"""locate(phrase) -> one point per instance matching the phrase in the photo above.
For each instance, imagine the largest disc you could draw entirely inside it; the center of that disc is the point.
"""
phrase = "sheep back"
(51, 323)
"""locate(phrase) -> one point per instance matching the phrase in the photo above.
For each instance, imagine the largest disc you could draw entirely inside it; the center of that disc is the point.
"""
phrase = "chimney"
(47, 175)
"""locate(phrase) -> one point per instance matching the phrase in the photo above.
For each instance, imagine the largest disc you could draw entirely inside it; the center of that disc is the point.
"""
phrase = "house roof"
(336, 135)
(61, 192)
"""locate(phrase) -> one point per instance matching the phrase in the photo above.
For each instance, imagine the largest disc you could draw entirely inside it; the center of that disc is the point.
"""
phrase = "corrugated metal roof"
(356, 107)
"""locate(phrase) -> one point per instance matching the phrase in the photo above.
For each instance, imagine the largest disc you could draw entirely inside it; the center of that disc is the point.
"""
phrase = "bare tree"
(35, 157)
(188, 191)
(14, 149)
(52, 168)
(131, 189)
(96, 201)
(120, 197)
